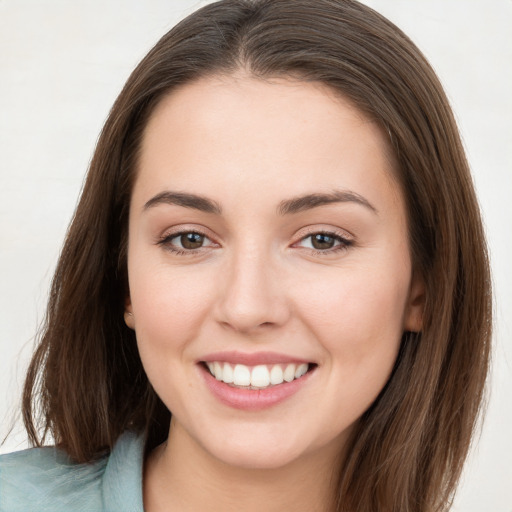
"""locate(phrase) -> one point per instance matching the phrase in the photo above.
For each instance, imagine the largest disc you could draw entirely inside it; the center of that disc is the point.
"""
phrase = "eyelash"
(165, 241)
(343, 242)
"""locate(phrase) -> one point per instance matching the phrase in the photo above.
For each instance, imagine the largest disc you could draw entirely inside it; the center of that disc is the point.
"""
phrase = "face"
(269, 269)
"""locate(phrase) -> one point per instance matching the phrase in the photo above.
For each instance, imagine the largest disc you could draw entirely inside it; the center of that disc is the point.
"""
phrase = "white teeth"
(260, 376)
(217, 370)
(289, 373)
(276, 375)
(241, 375)
(227, 373)
(301, 370)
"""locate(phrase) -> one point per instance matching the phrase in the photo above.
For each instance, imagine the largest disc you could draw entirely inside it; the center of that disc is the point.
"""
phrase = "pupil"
(192, 240)
(322, 241)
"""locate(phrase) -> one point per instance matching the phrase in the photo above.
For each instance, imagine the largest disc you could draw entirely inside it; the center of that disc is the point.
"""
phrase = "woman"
(274, 291)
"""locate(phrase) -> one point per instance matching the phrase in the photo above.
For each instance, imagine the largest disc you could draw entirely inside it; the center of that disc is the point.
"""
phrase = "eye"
(324, 242)
(189, 240)
(185, 241)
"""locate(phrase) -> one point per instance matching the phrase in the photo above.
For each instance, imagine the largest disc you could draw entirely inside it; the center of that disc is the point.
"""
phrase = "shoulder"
(45, 479)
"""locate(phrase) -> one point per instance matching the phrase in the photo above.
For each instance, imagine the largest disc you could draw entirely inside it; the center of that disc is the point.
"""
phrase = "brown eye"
(186, 242)
(327, 243)
(191, 240)
(321, 241)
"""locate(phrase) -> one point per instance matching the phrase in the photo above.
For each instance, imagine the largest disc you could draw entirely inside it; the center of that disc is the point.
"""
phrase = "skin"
(258, 285)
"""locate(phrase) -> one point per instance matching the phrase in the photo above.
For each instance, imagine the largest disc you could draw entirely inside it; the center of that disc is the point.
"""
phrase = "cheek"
(358, 320)
(169, 307)
(357, 304)
(359, 327)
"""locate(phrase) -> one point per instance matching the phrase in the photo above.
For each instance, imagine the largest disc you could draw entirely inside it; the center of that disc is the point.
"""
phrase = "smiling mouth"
(257, 377)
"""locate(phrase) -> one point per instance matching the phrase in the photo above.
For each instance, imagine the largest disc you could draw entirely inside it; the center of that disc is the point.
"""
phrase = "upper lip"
(251, 359)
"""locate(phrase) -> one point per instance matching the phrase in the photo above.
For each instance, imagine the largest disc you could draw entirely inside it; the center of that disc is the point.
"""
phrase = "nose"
(252, 297)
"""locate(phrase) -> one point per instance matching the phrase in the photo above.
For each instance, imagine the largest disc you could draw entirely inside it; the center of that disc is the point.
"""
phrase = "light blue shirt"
(45, 479)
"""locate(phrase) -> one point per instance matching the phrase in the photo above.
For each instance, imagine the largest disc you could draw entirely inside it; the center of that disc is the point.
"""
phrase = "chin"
(253, 456)
(257, 448)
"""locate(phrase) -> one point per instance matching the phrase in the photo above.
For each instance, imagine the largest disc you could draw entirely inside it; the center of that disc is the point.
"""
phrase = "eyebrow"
(186, 200)
(302, 203)
(286, 207)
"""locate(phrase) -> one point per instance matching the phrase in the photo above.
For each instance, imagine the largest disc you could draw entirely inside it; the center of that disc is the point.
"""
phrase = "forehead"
(222, 133)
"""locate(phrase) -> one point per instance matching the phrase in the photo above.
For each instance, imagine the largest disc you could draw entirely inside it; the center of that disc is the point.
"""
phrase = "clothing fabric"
(45, 479)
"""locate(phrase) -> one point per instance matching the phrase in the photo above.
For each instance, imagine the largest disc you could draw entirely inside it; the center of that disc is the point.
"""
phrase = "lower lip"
(253, 399)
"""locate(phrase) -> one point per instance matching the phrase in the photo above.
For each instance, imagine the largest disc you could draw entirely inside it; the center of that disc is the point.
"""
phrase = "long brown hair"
(86, 385)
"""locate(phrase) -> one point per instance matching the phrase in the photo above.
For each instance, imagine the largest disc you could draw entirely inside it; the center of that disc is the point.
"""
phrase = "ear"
(413, 317)
(129, 319)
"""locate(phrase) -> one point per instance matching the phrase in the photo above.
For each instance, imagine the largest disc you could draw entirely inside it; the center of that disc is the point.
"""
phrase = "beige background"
(62, 64)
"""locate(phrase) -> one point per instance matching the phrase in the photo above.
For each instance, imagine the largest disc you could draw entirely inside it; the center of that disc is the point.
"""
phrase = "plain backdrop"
(62, 64)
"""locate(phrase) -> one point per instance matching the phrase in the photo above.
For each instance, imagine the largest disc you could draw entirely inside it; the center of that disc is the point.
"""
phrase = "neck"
(181, 475)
